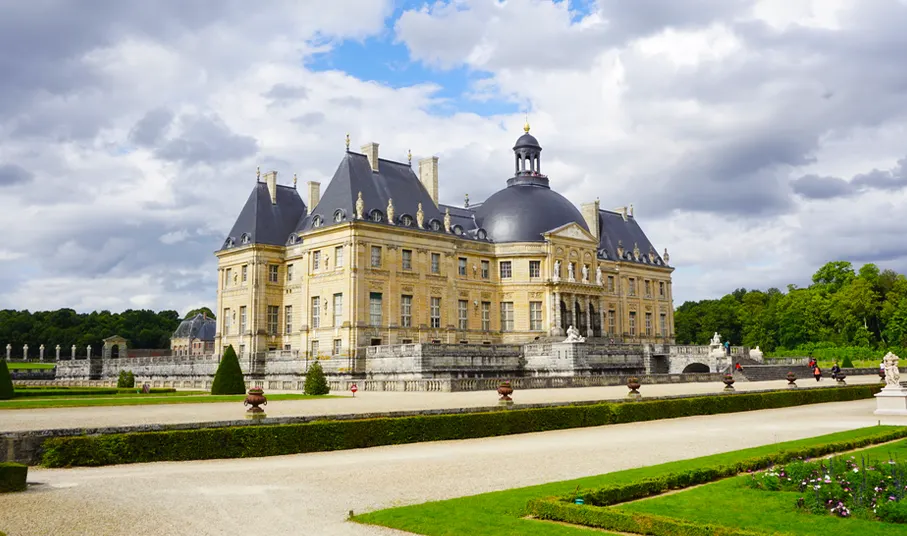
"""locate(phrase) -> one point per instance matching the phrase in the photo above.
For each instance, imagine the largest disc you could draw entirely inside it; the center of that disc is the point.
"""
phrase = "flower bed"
(842, 486)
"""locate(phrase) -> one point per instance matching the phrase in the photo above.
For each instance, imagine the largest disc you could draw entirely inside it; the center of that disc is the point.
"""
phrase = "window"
(661, 289)
(228, 273)
(227, 321)
(485, 269)
(648, 324)
(632, 323)
(288, 319)
(338, 257)
(245, 273)
(374, 308)
(663, 324)
(289, 272)
(407, 259)
(505, 270)
(242, 350)
(461, 266)
(535, 316)
(610, 283)
(463, 314)
(316, 261)
(273, 314)
(338, 345)
(506, 316)
(272, 273)
(338, 310)
(242, 319)
(406, 220)
(535, 268)
(435, 311)
(406, 311)
(632, 283)
(316, 309)
(287, 347)
(648, 287)
(338, 216)
(486, 316)
(376, 256)
(315, 349)
(611, 322)
(436, 263)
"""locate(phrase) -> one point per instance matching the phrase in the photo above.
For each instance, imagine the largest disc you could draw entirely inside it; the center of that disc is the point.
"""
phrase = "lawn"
(732, 503)
(504, 512)
(133, 399)
(29, 366)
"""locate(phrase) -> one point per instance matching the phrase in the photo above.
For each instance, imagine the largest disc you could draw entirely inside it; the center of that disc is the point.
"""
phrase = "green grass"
(502, 512)
(29, 366)
(731, 503)
(133, 399)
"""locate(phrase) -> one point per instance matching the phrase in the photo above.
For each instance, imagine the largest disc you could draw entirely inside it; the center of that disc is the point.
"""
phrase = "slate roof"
(198, 327)
(262, 222)
(615, 231)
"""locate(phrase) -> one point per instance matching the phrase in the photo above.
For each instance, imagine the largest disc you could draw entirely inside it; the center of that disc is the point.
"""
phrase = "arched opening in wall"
(596, 322)
(580, 317)
(565, 317)
(115, 351)
(696, 368)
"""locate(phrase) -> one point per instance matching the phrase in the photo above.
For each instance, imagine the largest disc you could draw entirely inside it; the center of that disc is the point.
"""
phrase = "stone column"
(556, 314)
(41, 352)
(602, 316)
(73, 351)
(24, 352)
(88, 352)
(588, 301)
(58, 352)
(9, 351)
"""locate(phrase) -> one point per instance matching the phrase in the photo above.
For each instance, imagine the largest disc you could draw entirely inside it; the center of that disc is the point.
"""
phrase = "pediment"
(571, 230)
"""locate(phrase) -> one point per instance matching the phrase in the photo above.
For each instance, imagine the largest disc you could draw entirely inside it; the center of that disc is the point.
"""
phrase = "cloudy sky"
(757, 139)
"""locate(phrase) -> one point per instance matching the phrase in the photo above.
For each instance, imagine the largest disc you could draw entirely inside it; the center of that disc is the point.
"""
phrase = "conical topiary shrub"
(6, 381)
(228, 379)
(315, 382)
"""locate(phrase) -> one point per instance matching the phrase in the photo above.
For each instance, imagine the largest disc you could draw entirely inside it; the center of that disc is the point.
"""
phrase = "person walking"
(835, 370)
(817, 373)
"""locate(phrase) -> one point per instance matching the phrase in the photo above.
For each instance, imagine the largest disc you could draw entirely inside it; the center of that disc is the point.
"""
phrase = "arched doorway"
(115, 351)
(566, 319)
(580, 318)
(696, 368)
(596, 321)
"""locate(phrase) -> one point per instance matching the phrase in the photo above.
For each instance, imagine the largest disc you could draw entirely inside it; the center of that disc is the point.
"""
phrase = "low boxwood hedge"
(86, 391)
(281, 439)
(13, 477)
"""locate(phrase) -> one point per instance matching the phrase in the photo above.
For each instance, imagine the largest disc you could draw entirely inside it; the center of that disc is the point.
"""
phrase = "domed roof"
(521, 213)
(527, 140)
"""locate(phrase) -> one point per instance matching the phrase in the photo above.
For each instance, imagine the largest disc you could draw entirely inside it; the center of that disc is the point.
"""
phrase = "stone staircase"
(761, 373)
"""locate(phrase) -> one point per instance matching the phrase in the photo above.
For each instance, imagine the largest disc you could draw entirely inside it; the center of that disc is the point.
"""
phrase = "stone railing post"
(73, 351)
(9, 351)
(41, 352)
(58, 352)
(24, 352)
(88, 351)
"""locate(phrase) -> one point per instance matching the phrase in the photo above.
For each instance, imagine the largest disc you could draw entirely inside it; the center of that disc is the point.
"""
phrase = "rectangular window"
(245, 273)
(632, 285)
(374, 308)
(338, 257)
(661, 289)
(648, 288)
(338, 310)
(273, 317)
(272, 273)
(316, 261)
(463, 314)
(535, 316)
(486, 316)
(485, 269)
(338, 346)
(407, 259)
(227, 321)
(506, 316)
(611, 322)
(632, 323)
(611, 283)
(461, 266)
(289, 272)
(242, 319)
(316, 310)
(376, 256)
(242, 350)
(288, 319)
(663, 324)
(314, 349)
(435, 312)
(436, 263)
(535, 269)
(228, 275)
(406, 311)
(648, 324)
(506, 271)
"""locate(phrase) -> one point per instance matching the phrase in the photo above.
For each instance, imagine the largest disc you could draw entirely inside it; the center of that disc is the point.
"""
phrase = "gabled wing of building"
(263, 222)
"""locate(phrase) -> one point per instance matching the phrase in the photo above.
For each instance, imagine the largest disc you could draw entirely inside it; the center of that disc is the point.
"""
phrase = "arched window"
(317, 221)
(339, 215)
(376, 215)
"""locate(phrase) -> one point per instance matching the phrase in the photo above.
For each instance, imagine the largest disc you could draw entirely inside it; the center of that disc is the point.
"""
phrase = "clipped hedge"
(13, 477)
(596, 511)
(317, 436)
(86, 391)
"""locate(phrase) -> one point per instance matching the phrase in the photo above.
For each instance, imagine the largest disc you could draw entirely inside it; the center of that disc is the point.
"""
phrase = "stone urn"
(728, 382)
(255, 398)
(633, 384)
(505, 390)
(841, 379)
(791, 379)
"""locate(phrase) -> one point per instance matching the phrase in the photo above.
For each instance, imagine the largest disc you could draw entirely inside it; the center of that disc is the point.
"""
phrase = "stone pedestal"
(892, 401)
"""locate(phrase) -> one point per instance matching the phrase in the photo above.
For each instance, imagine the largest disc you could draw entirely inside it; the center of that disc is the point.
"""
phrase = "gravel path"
(91, 417)
(310, 494)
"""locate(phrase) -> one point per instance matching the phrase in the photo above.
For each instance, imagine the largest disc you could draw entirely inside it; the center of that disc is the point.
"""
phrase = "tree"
(315, 381)
(6, 381)
(126, 379)
(200, 311)
(228, 380)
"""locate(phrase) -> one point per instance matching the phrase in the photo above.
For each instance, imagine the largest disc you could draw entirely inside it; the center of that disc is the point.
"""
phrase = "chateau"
(377, 260)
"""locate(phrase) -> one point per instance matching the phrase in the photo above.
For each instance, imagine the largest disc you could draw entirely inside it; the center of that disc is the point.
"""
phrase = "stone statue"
(585, 274)
(620, 249)
(556, 276)
(716, 340)
(599, 279)
(360, 207)
(573, 335)
(756, 354)
(390, 212)
(447, 220)
(636, 251)
(420, 217)
(892, 373)
(666, 257)
(570, 276)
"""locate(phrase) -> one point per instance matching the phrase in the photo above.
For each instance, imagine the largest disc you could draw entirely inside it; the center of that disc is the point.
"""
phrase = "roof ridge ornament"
(466, 201)
(526, 126)
(666, 257)
(294, 181)
(257, 173)
(360, 207)
(347, 142)
(409, 157)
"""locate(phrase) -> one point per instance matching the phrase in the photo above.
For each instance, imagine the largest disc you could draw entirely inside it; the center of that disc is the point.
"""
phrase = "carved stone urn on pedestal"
(633, 384)
(255, 398)
(728, 382)
(505, 390)
(791, 379)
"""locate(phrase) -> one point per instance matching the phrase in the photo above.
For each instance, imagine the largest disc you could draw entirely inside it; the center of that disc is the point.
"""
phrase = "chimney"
(590, 214)
(271, 180)
(631, 210)
(314, 194)
(371, 151)
(428, 174)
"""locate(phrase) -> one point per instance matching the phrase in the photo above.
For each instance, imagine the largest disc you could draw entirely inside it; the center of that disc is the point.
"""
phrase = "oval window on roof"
(481, 234)
(458, 230)
(245, 238)
(339, 215)
(435, 225)
(317, 221)
(406, 220)
(228, 243)
(376, 215)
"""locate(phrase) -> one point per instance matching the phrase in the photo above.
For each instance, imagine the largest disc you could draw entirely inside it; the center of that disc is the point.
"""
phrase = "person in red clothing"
(738, 368)
(817, 372)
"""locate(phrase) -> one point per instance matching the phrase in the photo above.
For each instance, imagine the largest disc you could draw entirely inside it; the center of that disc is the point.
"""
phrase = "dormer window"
(406, 220)
(317, 221)
(376, 216)
(228, 243)
(481, 234)
(435, 225)
(458, 230)
(338, 215)
(293, 239)
(245, 239)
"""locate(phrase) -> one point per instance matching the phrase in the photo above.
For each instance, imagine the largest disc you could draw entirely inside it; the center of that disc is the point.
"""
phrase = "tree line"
(142, 328)
(843, 307)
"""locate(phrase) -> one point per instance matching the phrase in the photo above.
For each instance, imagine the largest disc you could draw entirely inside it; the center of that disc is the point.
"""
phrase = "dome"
(527, 140)
(521, 213)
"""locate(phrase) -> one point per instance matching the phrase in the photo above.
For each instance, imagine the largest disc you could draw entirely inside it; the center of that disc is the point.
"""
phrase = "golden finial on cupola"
(294, 180)
(347, 142)
(257, 173)
(409, 156)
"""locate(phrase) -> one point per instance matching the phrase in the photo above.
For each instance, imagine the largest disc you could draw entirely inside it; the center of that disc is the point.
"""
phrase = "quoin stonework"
(377, 260)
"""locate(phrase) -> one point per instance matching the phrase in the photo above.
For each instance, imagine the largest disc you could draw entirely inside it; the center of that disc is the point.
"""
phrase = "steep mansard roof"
(616, 232)
(198, 327)
(261, 222)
